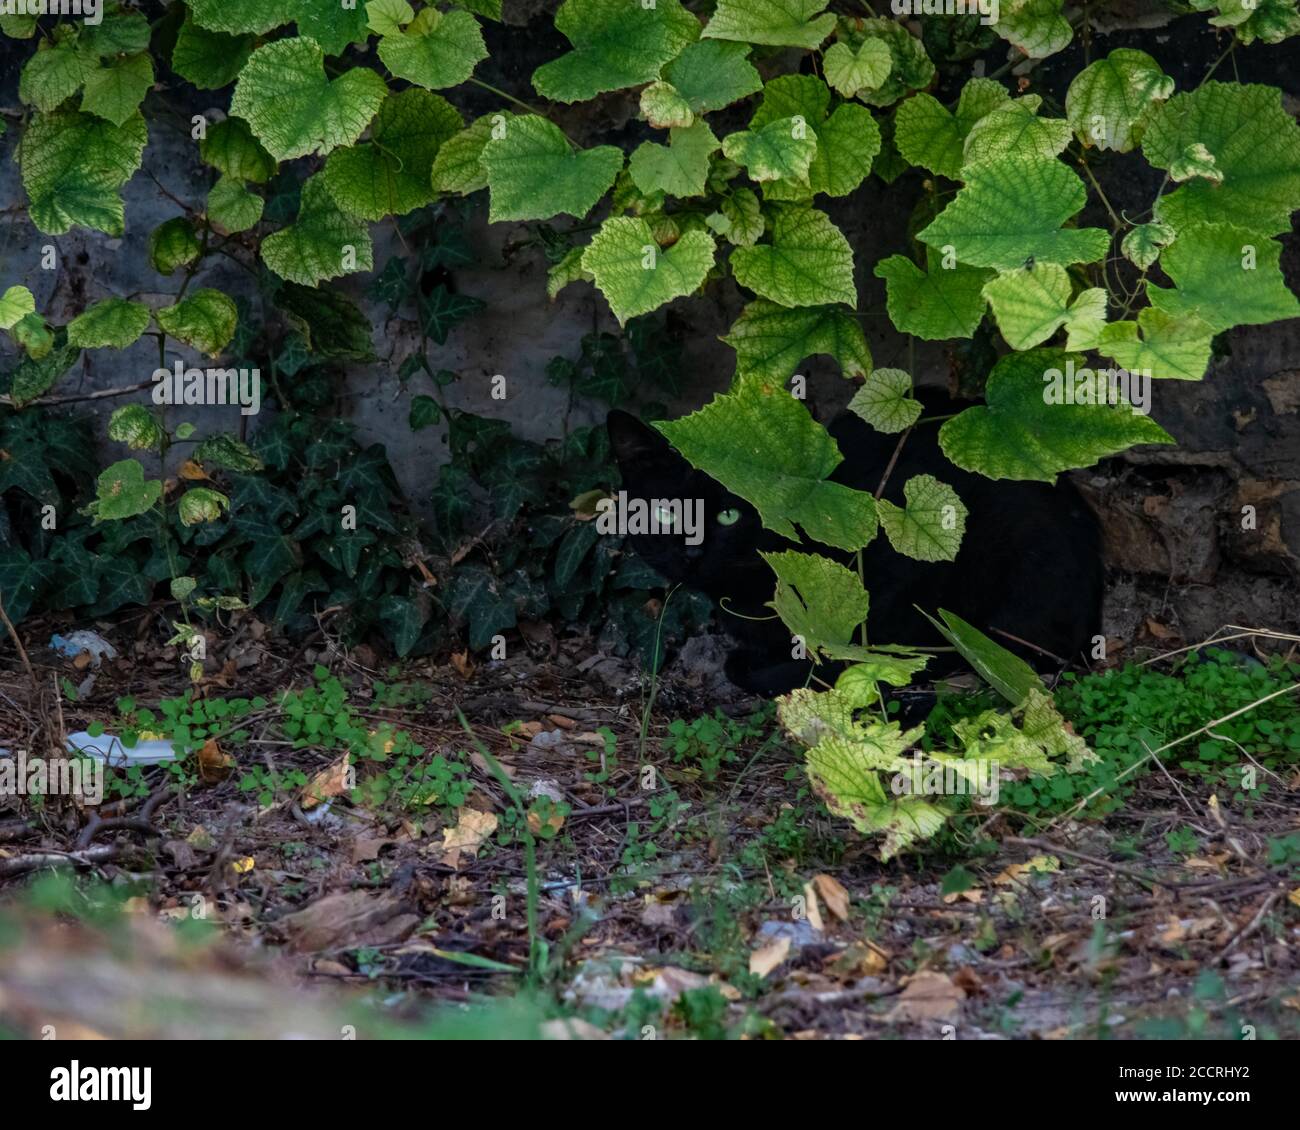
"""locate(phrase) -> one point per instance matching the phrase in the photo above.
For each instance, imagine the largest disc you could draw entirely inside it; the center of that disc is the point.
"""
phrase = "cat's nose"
(694, 552)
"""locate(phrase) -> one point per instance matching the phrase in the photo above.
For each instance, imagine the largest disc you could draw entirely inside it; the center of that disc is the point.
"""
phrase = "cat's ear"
(637, 444)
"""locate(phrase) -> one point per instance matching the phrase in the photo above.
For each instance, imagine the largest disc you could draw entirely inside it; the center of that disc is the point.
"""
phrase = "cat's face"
(701, 534)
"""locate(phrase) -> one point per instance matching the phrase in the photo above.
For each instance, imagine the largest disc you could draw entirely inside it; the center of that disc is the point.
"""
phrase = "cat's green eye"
(729, 517)
(665, 517)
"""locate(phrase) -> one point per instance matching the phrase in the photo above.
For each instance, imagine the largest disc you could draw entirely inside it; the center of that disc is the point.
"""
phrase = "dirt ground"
(674, 898)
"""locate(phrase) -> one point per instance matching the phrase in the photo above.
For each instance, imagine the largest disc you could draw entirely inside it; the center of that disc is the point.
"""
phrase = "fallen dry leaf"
(1039, 864)
(192, 472)
(813, 909)
(214, 765)
(348, 918)
(833, 895)
(472, 829)
(334, 780)
(463, 663)
(766, 958)
(928, 996)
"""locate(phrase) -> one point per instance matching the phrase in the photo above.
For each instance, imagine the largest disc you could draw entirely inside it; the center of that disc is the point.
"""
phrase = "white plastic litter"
(74, 644)
(111, 751)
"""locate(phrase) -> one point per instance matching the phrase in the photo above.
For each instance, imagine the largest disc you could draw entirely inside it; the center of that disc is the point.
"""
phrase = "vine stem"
(1116, 222)
(519, 102)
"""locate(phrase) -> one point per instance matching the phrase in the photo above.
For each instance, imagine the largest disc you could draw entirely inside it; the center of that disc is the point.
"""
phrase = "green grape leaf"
(679, 168)
(1011, 211)
(113, 323)
(910, 67)
(55, 73)
(771, 340)
(635, 275)
(866, 69)
(73, 165)
(231, 149)
(807, 263)
(231, 207)
(936, 304)
(793, 96)
(1086, 319)
(533, 174)
(1143, 244)
(1268, 20)
(818, 599)
(121, 492)
(927, 134)
(292, 106)
(119, 32)
(1037, 27)
(616, 44)
(1030, 303)
(885, 401)
(173, 244)
(1003, 670)
(1255, 146)
(334, 24)
(458, 167)
(390, 174)
(1225, 275)
(1014, 130)
(739, 218)
(762, 444)
(1035, 424)
(664, 107)
(207, 59)
(34, 336)
(201, 504)
(1166, 347)
(135, 426)
(437, 50)
(16, 304)
(567, 270)
(324, 242)
(782, 149)
(205, 319)
(115, 90)
(243, 18)
(1196, 161)
(712, 74)
(847, 143)
(1109, 100)
(931, 524)
(773, 23)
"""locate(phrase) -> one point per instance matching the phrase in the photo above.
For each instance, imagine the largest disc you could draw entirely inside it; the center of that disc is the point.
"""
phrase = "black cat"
(1029, 565)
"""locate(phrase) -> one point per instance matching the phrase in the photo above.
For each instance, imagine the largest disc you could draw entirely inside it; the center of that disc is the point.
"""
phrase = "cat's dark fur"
(1029, 565)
